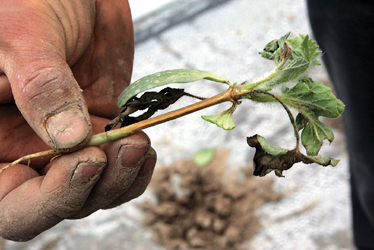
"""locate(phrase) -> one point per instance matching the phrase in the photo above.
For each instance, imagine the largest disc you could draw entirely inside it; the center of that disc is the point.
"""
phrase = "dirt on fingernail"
(208, 207)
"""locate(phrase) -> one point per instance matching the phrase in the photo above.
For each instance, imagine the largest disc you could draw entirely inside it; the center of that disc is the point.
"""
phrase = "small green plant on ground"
(288, 84)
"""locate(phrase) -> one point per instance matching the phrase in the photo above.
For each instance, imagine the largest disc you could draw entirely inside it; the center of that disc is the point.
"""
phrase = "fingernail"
(85, 173)
(147, 166)
(67, 129)
(131, 156)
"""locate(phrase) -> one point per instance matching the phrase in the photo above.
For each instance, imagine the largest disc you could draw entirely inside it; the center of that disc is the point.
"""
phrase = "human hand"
(47, 47)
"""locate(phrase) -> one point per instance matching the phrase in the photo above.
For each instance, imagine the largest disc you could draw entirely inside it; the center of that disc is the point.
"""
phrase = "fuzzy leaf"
(164, 78)
(283, 39)
(223, 120)
(268, 158)
(271, 46)
(305, 48)
(293, 58)
(304, 55)
(313, 100)
(315, 97)
(267, 55)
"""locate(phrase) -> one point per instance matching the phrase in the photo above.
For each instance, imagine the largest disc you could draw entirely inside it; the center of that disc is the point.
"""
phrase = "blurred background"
(223, 36)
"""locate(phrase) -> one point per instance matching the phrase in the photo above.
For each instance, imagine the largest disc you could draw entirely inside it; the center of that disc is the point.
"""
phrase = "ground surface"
(208, 206)
(315, 214)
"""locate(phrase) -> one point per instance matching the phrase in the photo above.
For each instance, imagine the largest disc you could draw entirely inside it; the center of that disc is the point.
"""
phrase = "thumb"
(33, 56)
(51, 101)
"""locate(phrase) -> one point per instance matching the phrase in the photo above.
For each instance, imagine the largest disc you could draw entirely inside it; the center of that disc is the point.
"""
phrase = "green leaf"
(305, 48)
(313, 135)
(271, 46)
(313, 100)
(267, 55)
(283, 39)
(164, 78)
(203, 157)
(223, 120)
(301, 121)
(304, 55)
(308, 95)
(268, 158)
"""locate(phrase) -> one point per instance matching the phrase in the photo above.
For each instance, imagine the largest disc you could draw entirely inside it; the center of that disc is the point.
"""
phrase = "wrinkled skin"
(51, 50)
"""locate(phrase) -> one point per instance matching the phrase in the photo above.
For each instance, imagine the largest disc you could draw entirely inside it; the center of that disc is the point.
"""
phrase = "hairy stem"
(266, 78)
(292, 119)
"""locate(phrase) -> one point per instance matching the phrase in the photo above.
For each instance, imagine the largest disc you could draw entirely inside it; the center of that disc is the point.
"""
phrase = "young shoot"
(288, 83)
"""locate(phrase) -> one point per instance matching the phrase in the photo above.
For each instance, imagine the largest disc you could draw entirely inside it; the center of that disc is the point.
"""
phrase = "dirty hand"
(49, 51)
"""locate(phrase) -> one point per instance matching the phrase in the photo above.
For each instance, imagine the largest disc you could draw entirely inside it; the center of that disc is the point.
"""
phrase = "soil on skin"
(206, 207)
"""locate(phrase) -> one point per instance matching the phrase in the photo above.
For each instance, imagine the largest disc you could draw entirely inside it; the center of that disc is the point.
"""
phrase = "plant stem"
(232, 95)
(25, 158)
(116, 134)
(292, 119)
(266, 78)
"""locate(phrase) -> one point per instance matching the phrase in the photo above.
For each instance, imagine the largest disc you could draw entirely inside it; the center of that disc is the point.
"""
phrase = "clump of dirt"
(206, 207)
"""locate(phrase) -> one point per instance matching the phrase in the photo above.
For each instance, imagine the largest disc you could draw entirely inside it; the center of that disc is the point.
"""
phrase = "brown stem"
(232, 95)
(116, 134)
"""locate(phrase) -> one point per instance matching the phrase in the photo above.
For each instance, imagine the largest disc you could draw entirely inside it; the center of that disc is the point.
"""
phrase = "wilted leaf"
(223, 120)
(164, 78)
(268, 158)
(150, 101)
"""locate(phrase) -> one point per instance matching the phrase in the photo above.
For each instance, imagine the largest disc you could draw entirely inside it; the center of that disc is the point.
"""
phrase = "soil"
(206, 207)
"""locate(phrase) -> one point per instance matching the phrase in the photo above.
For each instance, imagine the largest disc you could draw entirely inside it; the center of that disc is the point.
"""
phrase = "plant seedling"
(288, 84)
